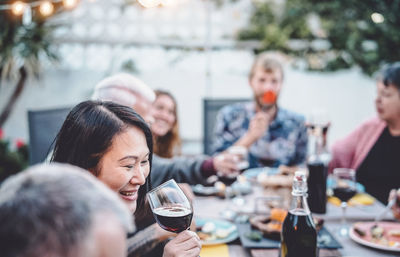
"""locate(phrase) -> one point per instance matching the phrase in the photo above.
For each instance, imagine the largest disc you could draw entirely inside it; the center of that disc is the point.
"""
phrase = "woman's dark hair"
(170, 144)
(88, 132)
(390, 75)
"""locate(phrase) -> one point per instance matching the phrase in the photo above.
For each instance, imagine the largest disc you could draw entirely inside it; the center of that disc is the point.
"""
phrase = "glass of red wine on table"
(344, 188)
(171, 208)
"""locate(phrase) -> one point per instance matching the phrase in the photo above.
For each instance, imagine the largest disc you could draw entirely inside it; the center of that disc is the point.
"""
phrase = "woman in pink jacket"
(373, 149)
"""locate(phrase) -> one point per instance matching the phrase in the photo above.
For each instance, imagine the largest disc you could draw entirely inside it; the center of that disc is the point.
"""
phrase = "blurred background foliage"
(327, 35)
(13, 157)
(22, 48)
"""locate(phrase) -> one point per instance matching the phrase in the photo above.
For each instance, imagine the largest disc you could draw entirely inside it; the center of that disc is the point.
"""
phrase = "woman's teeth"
(128, 193)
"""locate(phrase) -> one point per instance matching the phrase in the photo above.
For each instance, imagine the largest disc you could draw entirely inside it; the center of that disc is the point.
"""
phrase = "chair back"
(210, 109)
(43, 128)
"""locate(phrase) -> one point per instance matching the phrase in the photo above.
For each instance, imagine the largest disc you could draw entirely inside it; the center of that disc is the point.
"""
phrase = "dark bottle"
(317, 164)
(299, 236)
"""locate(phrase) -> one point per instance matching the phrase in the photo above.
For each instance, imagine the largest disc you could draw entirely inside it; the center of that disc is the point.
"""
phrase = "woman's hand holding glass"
(173, 212)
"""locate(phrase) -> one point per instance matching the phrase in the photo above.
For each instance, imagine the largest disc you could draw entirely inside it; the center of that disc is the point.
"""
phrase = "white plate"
(366, 240)
(219, 224)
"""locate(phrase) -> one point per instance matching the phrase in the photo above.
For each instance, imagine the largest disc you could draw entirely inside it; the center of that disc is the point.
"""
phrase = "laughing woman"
(115, 144)
(165, 128)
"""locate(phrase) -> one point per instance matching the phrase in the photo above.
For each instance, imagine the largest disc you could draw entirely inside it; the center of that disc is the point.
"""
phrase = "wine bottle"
(317, 164)
(299, 236)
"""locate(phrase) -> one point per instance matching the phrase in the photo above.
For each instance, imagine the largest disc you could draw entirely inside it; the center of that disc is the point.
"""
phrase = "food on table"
(208, 227)
(359, 231)
(385, 234)
(209, 231)
(278, 214)
(377, 231)
(271, 225)
(394, 232)
(274, 180)
(269, 228)
(254, 236)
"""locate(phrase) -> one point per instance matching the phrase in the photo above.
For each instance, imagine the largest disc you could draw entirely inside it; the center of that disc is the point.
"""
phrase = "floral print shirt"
(285, 141)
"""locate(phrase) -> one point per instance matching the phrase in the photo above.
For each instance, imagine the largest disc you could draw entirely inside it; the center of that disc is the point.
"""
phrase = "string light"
(149, 3)
(69, 4)
(169, 3)
(18, 8)
(377, 17)
(46, 8)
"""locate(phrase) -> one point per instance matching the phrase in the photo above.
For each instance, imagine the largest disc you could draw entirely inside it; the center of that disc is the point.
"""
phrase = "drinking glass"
(171, 208)
(240, 155)
(318, 122)
(344, 188)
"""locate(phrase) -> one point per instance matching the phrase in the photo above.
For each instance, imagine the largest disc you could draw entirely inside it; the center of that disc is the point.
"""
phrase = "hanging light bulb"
(149, 3)
(46, 8)
(377, 17)
(69, 4)
(169, 2)
(18, 8)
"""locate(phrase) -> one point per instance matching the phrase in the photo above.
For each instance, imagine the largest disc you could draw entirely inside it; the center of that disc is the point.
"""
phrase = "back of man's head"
(122, 88)
(54, 210)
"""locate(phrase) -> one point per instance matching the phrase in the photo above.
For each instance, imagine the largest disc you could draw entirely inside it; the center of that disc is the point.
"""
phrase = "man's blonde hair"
(267, 62)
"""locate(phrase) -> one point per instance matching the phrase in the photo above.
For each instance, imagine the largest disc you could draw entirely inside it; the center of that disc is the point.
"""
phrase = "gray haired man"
(61, 210)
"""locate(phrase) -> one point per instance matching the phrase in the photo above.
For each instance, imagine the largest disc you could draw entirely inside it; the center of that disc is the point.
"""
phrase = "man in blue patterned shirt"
(273, 136)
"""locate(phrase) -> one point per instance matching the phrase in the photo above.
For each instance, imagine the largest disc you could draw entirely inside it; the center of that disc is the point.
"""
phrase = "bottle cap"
(299, 183)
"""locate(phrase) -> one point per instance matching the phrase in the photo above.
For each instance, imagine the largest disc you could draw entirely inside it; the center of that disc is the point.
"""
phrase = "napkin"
(358, 199)
(220, 250)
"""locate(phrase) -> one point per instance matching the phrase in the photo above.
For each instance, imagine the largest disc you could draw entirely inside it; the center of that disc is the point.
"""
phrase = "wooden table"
(212, 207)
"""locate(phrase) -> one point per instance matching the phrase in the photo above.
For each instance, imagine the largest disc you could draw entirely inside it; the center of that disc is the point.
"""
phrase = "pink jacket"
(350, 151)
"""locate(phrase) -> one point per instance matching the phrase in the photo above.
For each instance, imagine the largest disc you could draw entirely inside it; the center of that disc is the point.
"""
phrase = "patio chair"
(210, 110)
(43, 128)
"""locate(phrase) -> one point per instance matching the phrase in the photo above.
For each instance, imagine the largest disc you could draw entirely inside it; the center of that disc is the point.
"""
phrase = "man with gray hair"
(128, 90)
(61, 210)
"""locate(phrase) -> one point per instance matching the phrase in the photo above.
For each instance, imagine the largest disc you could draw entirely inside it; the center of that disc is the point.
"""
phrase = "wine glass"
(318, 122)
(344, 188)
(171, 208)
(240, 157)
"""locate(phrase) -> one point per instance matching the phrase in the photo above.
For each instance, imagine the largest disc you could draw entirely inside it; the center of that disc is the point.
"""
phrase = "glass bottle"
(317, 164)
(299, 236)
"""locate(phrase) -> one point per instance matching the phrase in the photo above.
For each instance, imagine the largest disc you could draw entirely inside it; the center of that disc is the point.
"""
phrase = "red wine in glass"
(227, 179)
(174, 219)
(344, 193)
(171, 208)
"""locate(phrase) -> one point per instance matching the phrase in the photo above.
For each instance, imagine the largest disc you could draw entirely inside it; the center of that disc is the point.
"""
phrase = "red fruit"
(269, 97)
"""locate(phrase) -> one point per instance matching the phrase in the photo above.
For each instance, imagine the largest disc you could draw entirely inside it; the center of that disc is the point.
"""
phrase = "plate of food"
(252, 173)
(215, 231)
(263, 231)
(381, 235)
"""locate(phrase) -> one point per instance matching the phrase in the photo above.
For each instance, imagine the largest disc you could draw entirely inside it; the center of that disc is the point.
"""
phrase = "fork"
(387, 208)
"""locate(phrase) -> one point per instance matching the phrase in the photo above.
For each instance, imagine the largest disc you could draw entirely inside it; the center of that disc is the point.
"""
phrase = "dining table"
(214, 207)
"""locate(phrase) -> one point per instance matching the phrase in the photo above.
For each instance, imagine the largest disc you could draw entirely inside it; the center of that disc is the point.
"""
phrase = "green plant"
(329, 35)
(22, 48)
(12, 159)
